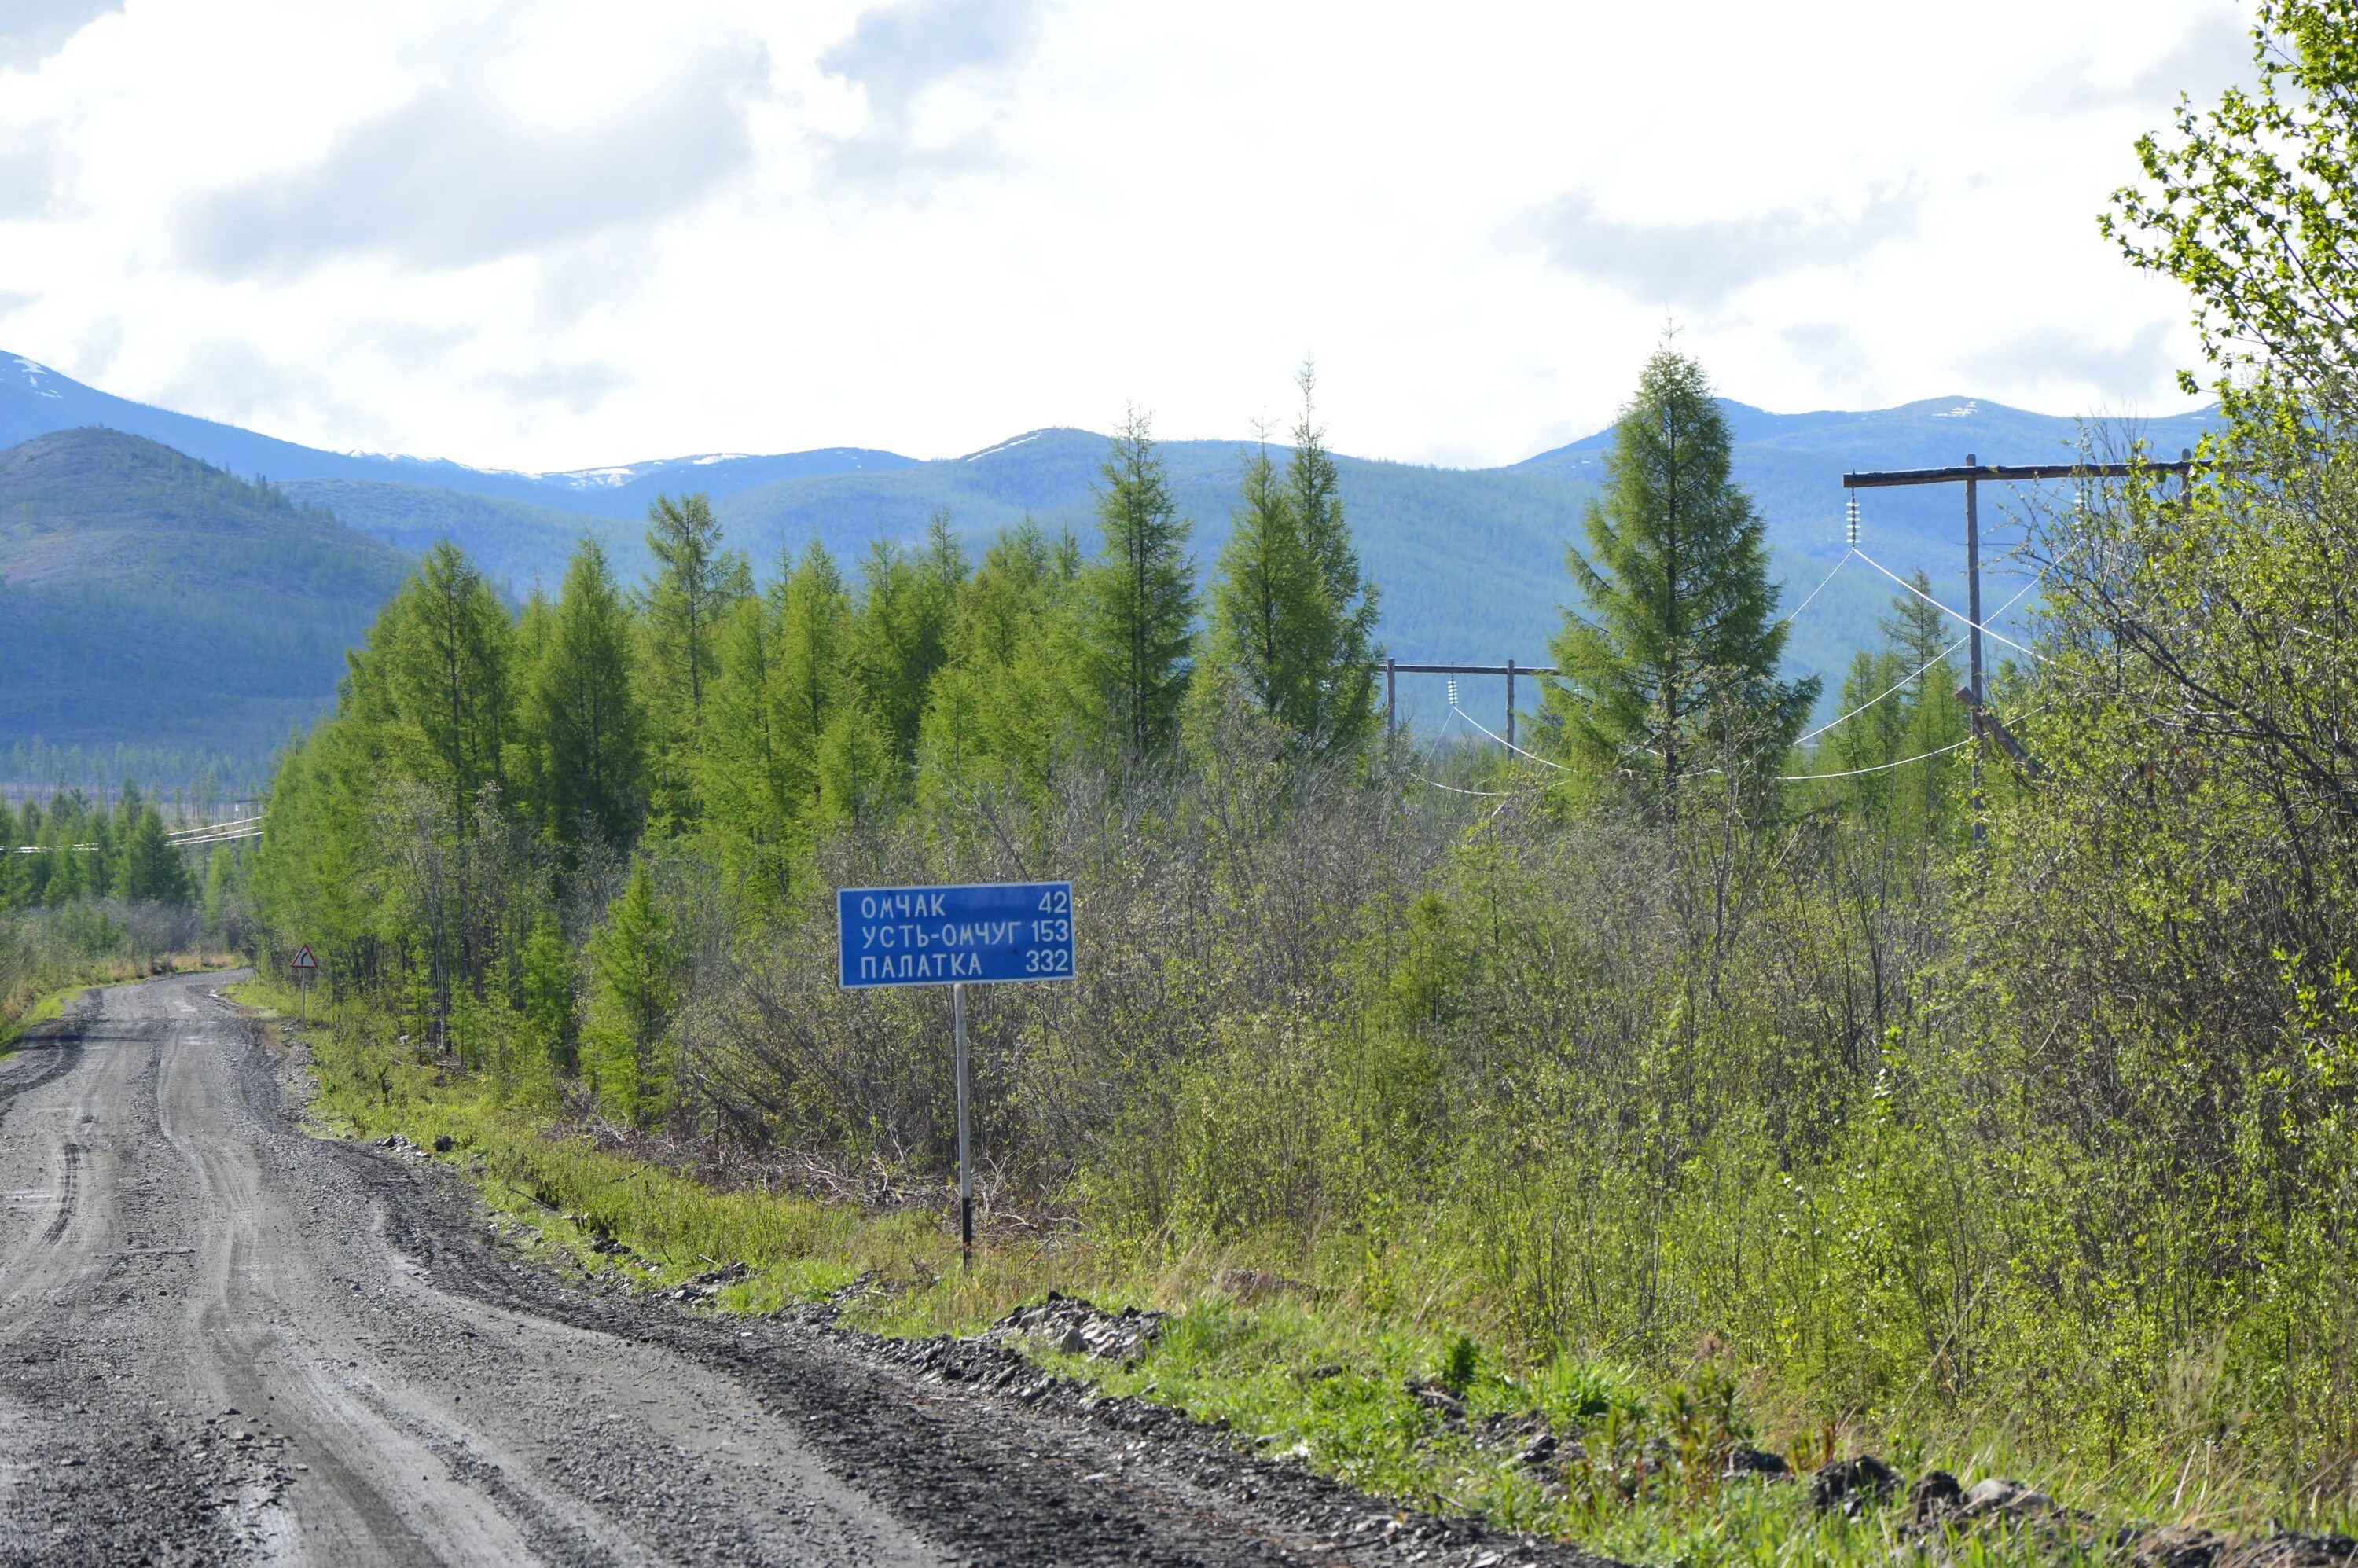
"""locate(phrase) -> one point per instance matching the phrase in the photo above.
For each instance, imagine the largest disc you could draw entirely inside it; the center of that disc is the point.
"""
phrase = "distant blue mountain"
(36, 400)
(1470, 562)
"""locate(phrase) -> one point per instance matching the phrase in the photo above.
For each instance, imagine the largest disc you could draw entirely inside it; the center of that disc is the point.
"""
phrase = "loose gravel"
(225, 1341)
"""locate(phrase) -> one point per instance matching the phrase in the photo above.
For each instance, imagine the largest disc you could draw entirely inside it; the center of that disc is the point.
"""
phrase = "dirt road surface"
(223, 1340)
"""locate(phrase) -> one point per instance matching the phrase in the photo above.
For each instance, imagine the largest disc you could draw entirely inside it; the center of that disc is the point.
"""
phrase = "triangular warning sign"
(306, 959)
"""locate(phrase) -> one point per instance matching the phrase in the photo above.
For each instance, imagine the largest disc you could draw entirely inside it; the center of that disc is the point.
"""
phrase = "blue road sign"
(993, 932)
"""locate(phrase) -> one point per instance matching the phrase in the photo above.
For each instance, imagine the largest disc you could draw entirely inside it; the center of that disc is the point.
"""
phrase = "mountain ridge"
(150, 597)
(1470, 561)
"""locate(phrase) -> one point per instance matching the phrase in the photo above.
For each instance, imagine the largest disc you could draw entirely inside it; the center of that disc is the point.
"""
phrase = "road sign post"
(994, 932)
(306, 964)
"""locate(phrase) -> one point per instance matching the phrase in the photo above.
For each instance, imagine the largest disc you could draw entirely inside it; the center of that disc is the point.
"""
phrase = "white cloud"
(32, 30)
(456, 175)
(561, 232)
(1700, 263)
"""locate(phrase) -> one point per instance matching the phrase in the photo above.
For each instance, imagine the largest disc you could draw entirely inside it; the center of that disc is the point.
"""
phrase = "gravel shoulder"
(223, 1340)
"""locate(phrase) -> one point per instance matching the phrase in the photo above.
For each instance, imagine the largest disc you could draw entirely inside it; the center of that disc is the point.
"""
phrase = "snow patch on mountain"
(1007, 446)
(34, 369)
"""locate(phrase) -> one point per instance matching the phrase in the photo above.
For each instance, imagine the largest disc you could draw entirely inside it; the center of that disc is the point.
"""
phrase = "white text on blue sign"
(993, 932)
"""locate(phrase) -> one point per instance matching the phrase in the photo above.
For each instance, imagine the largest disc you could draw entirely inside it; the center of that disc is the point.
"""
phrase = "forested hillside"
(147, 596)
(1473, 556)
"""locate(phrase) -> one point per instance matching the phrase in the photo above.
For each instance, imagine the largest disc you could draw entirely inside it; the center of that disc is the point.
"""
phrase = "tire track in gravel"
(62, 1055)
(220, 1359)
(225, 1341)
(67, 1182)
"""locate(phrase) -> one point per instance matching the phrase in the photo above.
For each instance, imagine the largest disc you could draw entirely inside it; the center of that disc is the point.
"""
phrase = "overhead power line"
(1969, 620)
(1879, 767)
(1917, 671)
(1814, 593)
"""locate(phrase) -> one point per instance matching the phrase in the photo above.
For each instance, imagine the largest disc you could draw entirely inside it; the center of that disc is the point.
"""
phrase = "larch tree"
(583, 709)
(1341, 653)
(1923, 641)
(696, 582)
(749, 815)
(1142, 598)
(1670, 667)
(447, 674)
(810, 679)
(153, 867)
(1292, 619)
(634, 974)
(900, 637)
(1268, 613)
(998, 711)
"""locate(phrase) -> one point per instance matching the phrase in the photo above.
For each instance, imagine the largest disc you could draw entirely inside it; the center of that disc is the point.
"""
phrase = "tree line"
(73, 849)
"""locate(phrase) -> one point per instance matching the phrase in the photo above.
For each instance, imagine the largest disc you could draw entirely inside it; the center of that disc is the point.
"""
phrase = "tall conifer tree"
(1142, 598)
(1001, 708)
(902, 635)
(749, 818)
(809, 675)
(1269, 610)
(696, 583)
(447, 672)
(1341, 655)
(1293, 619)
(1678, 642)
(584, 710)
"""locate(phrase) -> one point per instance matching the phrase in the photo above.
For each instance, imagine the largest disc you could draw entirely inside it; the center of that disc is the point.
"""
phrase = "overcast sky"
(551, 235)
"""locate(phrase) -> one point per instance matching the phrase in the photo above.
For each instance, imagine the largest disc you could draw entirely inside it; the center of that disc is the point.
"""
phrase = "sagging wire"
(1460, 789)
(1477, 724)
(1879, 767)
(1919, 670)
(1887, 767)
(1984, 629)
(1879, 696)
(1814, 593)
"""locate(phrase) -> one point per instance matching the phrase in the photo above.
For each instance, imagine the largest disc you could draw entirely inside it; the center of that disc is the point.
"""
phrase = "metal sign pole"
(982, 933)
(965, 1159)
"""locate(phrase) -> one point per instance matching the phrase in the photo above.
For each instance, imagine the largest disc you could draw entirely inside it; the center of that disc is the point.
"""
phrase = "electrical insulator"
(1853, 521)
(1453, 694)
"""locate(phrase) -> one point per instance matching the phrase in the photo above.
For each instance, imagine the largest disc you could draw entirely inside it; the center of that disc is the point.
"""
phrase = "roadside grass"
(1366, 1377)
(29, 1007)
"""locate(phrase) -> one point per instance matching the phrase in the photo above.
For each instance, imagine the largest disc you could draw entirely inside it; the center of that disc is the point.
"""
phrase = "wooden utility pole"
(1971, 476)
(1394, 669)
(1974, 618)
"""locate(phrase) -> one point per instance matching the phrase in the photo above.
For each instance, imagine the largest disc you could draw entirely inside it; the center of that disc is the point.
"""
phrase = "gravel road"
(223, 1340)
